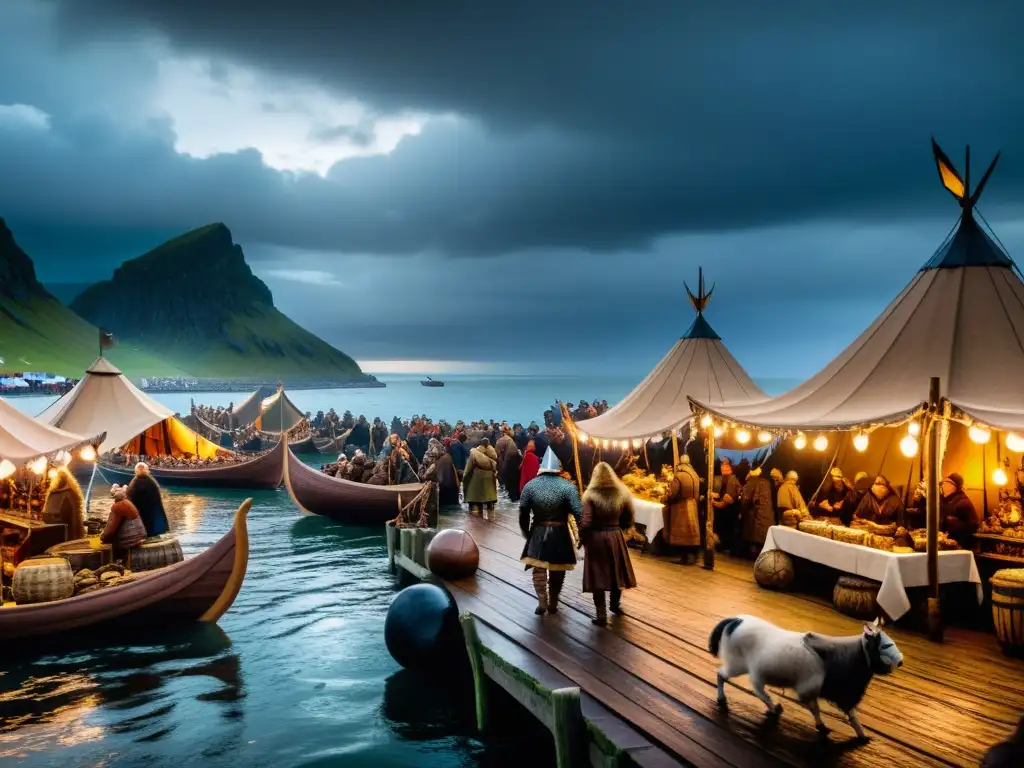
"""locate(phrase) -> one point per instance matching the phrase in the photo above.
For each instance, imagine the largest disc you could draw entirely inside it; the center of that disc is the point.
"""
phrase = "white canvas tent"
(278, 414)
(960, 319)
(699, 365)
(105, 400)
(23, 439)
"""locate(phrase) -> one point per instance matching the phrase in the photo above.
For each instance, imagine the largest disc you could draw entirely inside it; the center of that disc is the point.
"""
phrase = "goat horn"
(875, 623)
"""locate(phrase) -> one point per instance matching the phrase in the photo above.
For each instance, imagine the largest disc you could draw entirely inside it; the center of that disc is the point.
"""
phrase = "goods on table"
(774, 569)
(646, 486)
(856, 597)
(42, 580)
(873, 527)
(887, 538)
(816, 528)
(1008, 608)
(87, 580)
(850, 535)
(793, 517)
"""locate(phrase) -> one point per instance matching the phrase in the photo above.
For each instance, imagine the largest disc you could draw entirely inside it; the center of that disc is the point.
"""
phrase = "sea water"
(296, 673)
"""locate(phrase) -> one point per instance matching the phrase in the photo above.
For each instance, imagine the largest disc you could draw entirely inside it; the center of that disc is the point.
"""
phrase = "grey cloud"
(361, 135)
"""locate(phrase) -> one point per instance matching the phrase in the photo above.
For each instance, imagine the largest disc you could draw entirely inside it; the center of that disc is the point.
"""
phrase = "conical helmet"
(550, 464)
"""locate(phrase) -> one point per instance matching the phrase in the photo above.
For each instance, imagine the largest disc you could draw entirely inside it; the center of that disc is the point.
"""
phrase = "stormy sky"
(518, 185)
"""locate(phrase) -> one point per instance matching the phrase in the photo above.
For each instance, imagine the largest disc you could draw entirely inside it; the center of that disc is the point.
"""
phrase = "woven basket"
(43, 580)
(82, 553)
(856, 597)
(156, 552)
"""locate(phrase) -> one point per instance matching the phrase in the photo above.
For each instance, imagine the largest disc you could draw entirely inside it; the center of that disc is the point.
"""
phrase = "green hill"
(196, 300)
(38, 333)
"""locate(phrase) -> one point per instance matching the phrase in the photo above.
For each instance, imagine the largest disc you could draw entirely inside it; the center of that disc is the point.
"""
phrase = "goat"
(837, 669)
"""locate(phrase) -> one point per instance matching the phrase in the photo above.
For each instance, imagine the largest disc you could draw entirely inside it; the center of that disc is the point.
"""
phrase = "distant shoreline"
(206, 387)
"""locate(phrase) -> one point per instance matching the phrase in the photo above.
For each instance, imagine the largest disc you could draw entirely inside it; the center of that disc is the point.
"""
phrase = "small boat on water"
(330, 446)
(429, 382)
(317, 493)
(258, 473)
(201, 588)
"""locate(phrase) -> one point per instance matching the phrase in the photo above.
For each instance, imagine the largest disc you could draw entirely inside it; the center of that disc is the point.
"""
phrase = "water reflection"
(71, 693)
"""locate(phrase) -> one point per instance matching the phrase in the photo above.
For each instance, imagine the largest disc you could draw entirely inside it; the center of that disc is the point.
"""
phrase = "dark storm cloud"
(604, 126)
(361, 135)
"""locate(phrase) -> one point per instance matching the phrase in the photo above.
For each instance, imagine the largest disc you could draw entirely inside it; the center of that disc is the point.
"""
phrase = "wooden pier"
(948, 704)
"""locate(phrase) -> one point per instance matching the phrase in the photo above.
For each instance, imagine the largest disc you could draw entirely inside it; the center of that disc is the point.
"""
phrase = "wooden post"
(476, 663)
(392, 538)
(934, 610)
(567, 727)
(419, 547)
(576, 457)
(675, 450)
(405, 541)
(709, 523)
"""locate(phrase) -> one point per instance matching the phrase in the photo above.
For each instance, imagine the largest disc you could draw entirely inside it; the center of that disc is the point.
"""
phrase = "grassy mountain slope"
(196, 300)
(38, 333)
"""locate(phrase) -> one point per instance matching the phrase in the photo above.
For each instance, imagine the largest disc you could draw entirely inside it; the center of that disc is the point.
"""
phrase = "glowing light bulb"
(38, 466)
(6, 469)
(1015, 442)
(605, 444)
(914, 428)
(860, 441)
(764, 437)
(820, 443)
(999, 476)
(52, 474)
(637, 443)
(742, 436)
(979, 435)
(583, 437)
(800, 441)
(719, 431)
(706, 421)
(908, 446)
(615, 443)
(88, 453)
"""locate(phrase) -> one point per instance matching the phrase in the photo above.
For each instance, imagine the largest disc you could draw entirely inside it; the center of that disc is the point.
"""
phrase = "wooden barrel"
(1008, 608)
(156, 552)
(83, 553)
(43, 580)
(856, 597)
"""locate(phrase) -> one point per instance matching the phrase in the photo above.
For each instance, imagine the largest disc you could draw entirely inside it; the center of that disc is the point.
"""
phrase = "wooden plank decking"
(946, 706)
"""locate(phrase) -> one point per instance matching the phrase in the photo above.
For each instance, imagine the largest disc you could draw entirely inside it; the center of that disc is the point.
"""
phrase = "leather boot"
(540, 586)
(601, 620)
(615, 606)
(556, 579)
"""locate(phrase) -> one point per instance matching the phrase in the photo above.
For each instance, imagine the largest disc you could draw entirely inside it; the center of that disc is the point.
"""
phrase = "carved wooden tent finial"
(700, 301)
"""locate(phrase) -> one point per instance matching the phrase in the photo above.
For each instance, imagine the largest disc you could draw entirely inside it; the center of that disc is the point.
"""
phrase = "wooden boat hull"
(201, 588)
(358, 503)
(261, 473)
(330, 446)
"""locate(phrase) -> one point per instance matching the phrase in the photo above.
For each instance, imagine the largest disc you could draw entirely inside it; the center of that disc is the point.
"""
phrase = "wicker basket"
(43, 580)
(774, 570)
(1008, 608)
(856, 597)
(156, 552)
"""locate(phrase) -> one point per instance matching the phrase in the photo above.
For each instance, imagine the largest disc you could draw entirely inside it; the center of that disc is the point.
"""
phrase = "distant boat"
(429, 382)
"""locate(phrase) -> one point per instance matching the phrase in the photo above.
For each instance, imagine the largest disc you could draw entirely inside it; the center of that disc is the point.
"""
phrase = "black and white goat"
(837, 669)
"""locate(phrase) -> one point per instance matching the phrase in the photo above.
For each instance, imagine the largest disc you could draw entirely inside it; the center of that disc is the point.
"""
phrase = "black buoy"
(422, 626)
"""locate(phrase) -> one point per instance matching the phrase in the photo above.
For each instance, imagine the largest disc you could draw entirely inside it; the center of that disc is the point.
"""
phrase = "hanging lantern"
(582, 436)
(63, 458)
(705, 421)
(615, 443)
(800, 441)
(637, 442)
(914, 428)
(820, 443)
(6, 469)
(860, 441)
(1015, 442)
(52, 474)
(38, 466)
(606, 444)
(999, 477)
(88, 453)
(764, 437)
(979, 434)
(742, 436)
(719, 431)
(908, 446)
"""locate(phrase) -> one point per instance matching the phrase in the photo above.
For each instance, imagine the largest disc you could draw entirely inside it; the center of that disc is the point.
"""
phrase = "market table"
(648, 513)
(896, 572)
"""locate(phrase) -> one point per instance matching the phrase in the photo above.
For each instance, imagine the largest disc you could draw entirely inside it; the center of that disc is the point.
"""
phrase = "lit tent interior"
(698, 365)
(104, 400)
(960, 319)
(24, 440)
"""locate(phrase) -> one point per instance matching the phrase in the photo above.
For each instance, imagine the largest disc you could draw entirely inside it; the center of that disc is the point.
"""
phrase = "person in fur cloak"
(144, 493)
(607, 513)
(545, 508)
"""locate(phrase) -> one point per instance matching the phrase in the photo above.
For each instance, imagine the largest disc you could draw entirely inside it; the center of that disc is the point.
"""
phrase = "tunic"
(758, 512)
(544, 509)
(682, 525)
(606, 514)
(481, 476)
(144, 493)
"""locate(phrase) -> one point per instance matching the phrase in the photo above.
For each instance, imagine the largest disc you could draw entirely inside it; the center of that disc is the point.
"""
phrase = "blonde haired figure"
(607, 513)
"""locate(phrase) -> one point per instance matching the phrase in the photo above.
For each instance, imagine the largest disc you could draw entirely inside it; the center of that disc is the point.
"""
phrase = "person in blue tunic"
(548, 503)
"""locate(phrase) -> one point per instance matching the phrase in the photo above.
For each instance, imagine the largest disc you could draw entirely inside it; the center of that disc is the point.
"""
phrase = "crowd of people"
(182, 461)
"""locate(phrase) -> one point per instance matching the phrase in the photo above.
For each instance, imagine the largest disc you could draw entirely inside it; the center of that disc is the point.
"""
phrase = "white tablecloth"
(648, 513)
(895, 571)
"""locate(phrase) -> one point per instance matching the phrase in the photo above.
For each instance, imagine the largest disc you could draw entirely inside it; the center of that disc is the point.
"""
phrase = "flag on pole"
(106, 340)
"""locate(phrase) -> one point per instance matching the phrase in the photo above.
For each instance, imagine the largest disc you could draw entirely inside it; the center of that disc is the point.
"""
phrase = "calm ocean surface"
(296, 673)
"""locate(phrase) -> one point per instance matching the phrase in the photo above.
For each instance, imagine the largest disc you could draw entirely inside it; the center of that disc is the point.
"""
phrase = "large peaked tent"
(247, 411)
(960, 319)
(699, 365)
(278, 414)
(23, 439)
(104, 400)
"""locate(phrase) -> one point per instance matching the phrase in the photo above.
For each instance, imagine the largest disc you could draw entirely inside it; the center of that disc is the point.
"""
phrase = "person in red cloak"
(531, 464)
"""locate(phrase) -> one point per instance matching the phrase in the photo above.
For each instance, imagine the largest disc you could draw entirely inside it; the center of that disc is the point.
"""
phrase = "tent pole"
(675, 450)
(88, 490)
(934, 609)
(576, 459)
(709, 523)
